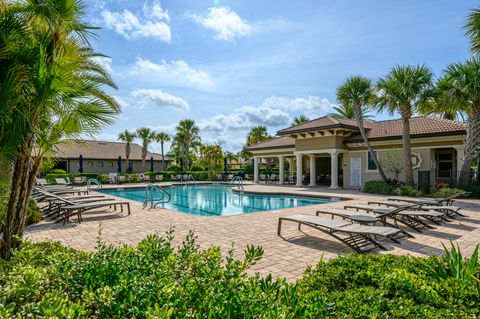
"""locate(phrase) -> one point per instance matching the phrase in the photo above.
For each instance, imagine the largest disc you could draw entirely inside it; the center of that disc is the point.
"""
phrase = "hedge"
(157, 280)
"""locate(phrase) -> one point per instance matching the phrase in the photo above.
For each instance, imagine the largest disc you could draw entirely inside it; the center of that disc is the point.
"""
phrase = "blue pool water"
(217, 200)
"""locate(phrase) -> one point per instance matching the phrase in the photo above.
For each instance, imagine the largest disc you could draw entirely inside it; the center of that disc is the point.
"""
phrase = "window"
(110, 164)
(90, 164)
(100, 164)
(371, 163)
(444, 164)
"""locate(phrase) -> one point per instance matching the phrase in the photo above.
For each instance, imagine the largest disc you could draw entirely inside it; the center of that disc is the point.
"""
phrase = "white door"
(356, 171)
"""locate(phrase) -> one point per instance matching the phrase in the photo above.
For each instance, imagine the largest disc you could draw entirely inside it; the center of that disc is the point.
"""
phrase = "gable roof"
(276, 142)
(101, 150)
(323, 123)
(421, 126)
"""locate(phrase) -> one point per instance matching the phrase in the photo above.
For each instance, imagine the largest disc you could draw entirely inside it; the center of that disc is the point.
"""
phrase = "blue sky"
(232, 65)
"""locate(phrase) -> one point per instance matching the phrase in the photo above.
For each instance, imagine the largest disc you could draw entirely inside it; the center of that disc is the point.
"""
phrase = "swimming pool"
(218, 200)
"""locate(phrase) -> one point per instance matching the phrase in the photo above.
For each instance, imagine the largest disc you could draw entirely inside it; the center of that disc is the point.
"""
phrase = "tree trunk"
(407, 151)
(144, 155)
(473, 136)
(359, 117)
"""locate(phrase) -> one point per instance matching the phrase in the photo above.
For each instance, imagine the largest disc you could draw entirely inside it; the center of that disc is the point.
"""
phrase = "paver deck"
(285, 256)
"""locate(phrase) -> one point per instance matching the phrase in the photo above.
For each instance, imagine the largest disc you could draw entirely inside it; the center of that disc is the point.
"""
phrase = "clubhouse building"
(331, 151)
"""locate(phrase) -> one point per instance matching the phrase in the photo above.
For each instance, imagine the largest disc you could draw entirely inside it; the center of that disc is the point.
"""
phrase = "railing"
(95, 182)
(430, 180)
(187, 179)
(237, 180)
(150, 198)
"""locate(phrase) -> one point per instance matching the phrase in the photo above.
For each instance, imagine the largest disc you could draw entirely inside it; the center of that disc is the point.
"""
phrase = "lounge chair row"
(357, 227)
(61, 204)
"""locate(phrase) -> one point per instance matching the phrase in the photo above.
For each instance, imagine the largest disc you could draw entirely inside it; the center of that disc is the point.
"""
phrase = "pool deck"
(286, 256)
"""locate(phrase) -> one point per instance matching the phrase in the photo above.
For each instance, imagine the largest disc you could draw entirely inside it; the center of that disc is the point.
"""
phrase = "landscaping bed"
(157, 280)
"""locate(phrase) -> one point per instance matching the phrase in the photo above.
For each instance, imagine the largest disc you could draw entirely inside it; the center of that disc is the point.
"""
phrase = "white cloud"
(177, 72)
(225, 22)
(153, 24)
(312, 106)
(161, 98)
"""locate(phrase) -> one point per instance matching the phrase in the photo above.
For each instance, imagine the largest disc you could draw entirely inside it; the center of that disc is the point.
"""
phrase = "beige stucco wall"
(319, 143)
(425, 153)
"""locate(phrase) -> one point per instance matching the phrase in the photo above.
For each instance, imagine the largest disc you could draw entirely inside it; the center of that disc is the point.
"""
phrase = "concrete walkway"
(285, 256)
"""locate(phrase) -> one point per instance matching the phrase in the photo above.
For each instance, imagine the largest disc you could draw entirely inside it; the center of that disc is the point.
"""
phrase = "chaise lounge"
(360, 238)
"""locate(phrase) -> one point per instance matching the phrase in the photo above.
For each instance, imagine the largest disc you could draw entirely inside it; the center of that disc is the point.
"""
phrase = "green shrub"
(57, 171)
(196, 168)
(378, 187)
(34, 215)
(407, 191)
(133, 178)
(174, 167)
(157, 280)
(447, 192)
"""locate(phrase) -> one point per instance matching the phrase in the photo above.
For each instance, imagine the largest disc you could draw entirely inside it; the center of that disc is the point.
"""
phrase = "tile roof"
(277, 142)
(419, 126)
(101, 150)
(325, 122)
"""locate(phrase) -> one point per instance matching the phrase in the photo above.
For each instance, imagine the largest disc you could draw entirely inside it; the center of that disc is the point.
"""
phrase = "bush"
(447, 192)
(34, 215)
(155, 280)
(57, 171)
(174, 167)
(196, 168)
(407, 191)
(378, 187)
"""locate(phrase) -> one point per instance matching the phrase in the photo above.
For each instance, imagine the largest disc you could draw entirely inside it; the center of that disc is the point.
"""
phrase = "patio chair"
(446, 201)
(121, 179)
(360, 238)
(159, 178)
(42, 182)
(62, 181)
(409, 215)
(147, 178)
(79, 180)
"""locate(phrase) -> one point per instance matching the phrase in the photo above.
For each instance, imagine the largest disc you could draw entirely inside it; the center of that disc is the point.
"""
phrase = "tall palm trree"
(405, 89)
(465, 79)
(161, 138)
(147, 136)
(357, 93)
(187, 140)
(300, 120)
(55, 91)
(128, 138)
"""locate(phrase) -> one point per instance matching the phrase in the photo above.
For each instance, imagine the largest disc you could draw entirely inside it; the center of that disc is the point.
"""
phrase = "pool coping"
(290, 194)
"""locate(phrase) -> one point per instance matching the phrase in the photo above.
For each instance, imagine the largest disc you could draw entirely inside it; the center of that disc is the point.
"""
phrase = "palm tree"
(128, 138)
(187, 140)
(56, 92)
(299, 120)
(257, 135)
(465, 80)
(405, 89)
(343, 111)
(161, 138)
(444, 102)
(211, 157)
(472, 30)
(357, 94)
(147, 136)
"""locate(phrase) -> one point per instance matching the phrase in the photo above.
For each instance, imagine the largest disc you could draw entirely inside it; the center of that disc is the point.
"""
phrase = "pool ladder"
(95, 182)
(149, 196)
(187, 179)
(237, 180)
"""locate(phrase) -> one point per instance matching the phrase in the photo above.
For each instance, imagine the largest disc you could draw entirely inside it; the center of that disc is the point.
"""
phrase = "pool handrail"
(149, 196)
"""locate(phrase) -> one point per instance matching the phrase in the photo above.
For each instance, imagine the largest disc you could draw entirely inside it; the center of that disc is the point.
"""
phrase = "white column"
(299, 170)
(313, 171)
(281, 169)
(334, 170)
(255, 169)
(290, 165)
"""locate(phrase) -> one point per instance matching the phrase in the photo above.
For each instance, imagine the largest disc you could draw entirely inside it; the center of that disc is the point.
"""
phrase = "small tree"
(391, 161)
